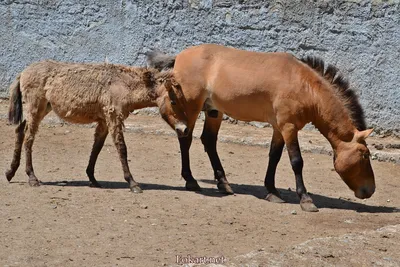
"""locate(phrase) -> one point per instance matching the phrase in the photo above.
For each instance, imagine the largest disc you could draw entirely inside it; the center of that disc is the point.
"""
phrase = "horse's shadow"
(320, 201)
(242, 189)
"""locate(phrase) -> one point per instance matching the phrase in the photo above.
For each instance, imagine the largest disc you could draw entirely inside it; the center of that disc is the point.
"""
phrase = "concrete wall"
(361, 37)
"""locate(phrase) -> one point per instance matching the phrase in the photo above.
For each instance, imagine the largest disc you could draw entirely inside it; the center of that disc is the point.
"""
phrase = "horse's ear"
(362, 135)
(367, 132)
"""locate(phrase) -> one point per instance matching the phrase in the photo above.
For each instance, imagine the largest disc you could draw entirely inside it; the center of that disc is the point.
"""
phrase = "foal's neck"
(332, 118)
(142, 95)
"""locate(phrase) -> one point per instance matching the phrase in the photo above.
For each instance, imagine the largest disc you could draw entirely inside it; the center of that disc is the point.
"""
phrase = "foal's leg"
(209, 140)
(115, 127)
(184, 143)
(37, 109)
(100, 136)
(19, 140)
(289, 133)
(275, 153)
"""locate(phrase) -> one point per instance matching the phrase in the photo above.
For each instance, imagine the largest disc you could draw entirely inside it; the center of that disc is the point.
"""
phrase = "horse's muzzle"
(364, 192)
(181, 130)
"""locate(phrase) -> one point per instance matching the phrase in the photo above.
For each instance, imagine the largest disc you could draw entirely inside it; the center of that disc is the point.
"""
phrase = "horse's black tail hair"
(160, 61)
(15, 109)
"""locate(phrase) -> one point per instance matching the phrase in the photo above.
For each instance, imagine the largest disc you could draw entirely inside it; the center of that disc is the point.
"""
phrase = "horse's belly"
(245, 108)
(244, 114)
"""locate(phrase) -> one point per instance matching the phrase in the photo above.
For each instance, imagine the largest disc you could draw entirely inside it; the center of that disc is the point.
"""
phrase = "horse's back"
(243, 84)
(218, 67)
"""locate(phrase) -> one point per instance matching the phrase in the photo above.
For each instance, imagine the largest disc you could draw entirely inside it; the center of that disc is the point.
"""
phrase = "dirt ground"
(66, 223)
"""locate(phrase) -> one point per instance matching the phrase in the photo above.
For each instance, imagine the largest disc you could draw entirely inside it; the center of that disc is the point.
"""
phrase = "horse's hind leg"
(100, 136)
(209, 140)
(19, 140)
(115, 127)
(289, 133)
(36, 112)
(275, 153)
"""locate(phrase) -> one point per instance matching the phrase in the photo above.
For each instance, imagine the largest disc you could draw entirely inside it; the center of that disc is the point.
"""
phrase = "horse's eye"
(173, 102)
(366, 155)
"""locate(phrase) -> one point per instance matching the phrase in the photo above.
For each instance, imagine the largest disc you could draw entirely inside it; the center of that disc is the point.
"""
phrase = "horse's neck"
(332, 119)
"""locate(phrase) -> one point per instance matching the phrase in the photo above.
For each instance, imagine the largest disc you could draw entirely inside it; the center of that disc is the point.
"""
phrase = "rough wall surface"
(361, 37)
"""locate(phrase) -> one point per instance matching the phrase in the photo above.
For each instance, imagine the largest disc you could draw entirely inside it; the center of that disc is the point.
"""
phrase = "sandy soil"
(66, 223)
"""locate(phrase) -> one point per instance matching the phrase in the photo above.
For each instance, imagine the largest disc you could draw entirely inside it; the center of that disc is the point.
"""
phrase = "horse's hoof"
(9, 175)
(225, 188)
(192, 186)
(136, 189)
(308, 206)
(34, 182)
(274, 198)
(94, 184)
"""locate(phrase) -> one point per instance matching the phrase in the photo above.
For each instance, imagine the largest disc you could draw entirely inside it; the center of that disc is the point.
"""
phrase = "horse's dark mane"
(341, 85)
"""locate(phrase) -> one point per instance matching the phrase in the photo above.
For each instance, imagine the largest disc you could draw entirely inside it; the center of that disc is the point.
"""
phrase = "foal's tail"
(160, 61)
(15, 110)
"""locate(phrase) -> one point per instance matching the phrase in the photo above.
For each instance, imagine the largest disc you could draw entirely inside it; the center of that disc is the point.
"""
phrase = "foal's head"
(172, 103)
(354, 167)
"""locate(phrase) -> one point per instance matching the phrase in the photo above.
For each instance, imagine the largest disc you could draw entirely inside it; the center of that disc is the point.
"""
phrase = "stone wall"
(361, 37)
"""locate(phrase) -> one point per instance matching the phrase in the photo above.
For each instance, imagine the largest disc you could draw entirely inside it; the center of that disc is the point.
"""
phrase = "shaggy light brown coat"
(86, 93)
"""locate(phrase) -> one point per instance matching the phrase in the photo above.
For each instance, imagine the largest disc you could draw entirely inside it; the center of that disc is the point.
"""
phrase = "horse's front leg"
(292, 144)
(275, 153)
(115, 127)
(209, 139)
(185, 143)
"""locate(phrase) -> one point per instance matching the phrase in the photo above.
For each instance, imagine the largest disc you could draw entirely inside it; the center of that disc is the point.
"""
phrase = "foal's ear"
(148, 78)
(362, 135)
(171, 83)
(168, 85)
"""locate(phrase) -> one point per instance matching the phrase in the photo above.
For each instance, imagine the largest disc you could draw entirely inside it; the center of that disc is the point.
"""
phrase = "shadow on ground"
(242, 189)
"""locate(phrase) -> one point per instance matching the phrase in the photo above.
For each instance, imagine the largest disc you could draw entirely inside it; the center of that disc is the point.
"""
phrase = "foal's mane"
(341, 85)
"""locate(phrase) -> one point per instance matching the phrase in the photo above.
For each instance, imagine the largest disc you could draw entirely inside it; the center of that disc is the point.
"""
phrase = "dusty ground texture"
(66, 223)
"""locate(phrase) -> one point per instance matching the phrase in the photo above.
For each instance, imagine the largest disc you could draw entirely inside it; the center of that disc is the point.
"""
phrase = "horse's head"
(353, 165)
(172, 104)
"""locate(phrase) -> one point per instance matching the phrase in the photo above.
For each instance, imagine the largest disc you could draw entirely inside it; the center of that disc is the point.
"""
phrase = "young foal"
(86, 93)
(279, 89)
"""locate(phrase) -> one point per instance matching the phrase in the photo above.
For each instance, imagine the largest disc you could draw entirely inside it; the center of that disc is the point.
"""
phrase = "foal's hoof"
(225, 188)
(136, 189)
(34, 182)
(308, 206)
(274, 198)
(94, 184)
(192, 186)
(9, 175)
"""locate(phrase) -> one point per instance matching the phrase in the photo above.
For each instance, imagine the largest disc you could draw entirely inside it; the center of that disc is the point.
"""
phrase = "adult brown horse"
(86, 93)
(279, 89)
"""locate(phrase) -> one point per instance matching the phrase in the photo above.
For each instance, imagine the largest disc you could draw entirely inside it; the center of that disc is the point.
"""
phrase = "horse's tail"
(160, 61)
(15, 109)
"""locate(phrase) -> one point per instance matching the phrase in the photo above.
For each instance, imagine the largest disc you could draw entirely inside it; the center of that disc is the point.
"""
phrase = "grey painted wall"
(361, 37)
